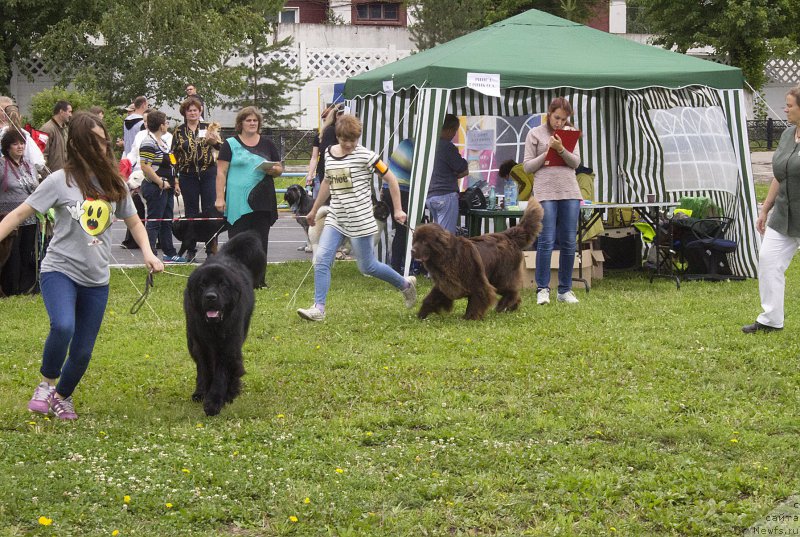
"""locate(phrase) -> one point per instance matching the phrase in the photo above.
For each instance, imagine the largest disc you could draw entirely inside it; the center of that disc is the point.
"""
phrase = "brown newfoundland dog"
(478, 268)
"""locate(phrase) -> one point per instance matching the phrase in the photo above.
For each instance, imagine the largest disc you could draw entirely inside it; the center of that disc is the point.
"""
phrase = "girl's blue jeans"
(560, 222)
(76, 313)
(365, 258)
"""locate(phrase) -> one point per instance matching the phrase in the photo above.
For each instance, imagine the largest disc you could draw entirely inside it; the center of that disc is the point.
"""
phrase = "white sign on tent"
(488, 84)
(480, 140)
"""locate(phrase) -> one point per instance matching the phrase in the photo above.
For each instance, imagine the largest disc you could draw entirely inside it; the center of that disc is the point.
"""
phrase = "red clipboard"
(569, 139)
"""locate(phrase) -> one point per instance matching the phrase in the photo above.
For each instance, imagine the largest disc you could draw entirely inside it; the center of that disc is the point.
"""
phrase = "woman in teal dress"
(245, 192)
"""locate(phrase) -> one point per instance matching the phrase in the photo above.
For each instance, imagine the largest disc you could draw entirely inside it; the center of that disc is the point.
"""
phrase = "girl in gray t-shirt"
(85, 196)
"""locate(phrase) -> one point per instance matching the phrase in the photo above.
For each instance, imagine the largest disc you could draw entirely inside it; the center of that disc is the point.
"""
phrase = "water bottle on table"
(511, 192)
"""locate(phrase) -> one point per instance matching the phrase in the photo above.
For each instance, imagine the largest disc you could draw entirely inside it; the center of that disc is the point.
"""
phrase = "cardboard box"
(592, 267)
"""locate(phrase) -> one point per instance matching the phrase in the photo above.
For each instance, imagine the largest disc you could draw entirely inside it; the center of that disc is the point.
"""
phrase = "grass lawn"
(641, 411)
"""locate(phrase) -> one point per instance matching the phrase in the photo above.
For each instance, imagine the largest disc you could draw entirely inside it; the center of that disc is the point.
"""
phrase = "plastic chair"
(706, 250)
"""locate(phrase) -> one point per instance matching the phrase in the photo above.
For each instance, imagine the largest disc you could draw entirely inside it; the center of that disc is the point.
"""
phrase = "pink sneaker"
(41, 394)
(64, 409)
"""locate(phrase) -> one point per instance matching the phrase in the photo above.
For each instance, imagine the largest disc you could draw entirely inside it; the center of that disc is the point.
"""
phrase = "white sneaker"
(543, 297)
(410, 294)
(311, 314)
(568, 297)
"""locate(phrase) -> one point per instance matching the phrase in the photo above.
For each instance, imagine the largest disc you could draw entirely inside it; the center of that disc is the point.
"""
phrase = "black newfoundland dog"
(218, 302)
(190, 231)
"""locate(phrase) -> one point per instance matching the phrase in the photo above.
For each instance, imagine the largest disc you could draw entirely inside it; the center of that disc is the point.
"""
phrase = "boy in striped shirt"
(348, 179)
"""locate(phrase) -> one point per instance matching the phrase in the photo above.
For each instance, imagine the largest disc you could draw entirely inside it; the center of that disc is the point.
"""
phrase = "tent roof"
(538, 50)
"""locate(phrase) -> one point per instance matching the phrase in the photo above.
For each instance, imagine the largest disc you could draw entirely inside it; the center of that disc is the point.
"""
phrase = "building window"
(290, 15)
(377, 12)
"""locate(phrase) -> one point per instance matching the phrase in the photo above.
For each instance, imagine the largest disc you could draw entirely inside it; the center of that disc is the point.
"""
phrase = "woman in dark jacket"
(194, 146)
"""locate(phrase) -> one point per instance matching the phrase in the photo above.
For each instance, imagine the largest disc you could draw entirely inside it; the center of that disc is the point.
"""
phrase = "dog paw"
(197, 397)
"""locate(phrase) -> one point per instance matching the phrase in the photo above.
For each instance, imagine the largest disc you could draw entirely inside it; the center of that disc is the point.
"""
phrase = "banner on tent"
(488, 84)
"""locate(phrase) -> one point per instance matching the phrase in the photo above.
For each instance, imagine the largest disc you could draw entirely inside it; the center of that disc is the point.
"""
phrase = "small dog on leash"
(300, 204)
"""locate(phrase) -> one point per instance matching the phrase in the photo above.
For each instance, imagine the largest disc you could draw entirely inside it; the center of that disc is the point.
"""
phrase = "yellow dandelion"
(168, 505)
(199, 425)
(317, 347)
(185, 470)
(469, 340)
(339, 471)
(386, 367)
(306, 500)
(31, 423)
(147, 356)
(126, 499)
(235, 453)
(369, 433)
(612, 529)
(292, 519)
(734, 440)
(44, 521)
(280, 416)
(114, 533)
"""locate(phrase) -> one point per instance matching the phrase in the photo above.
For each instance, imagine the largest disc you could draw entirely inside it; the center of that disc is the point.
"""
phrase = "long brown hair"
(86, 158)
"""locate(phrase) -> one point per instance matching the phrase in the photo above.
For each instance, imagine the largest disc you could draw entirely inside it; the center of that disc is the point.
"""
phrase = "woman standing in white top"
(556, 188)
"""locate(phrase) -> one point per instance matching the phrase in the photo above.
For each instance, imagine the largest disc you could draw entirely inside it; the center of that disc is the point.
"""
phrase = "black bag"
(471, 198)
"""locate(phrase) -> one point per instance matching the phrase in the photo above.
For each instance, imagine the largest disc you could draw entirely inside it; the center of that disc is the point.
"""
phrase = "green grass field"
(641, 411)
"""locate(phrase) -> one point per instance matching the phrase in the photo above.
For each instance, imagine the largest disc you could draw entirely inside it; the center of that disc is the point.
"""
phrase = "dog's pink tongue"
(212, 314)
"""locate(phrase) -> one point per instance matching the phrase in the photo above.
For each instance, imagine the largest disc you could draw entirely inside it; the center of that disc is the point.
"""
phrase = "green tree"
(266, 79)
(154, 47)
(42, 107)
(748, 32)
(24, 22)
(439, 21)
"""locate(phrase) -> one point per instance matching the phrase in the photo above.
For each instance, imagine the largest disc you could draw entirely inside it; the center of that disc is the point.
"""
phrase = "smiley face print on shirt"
(94, 215)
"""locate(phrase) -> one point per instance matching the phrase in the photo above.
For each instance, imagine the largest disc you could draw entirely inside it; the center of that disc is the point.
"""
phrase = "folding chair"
(706, 250)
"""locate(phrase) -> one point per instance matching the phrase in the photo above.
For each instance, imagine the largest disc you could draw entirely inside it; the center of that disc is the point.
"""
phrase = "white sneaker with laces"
(568, 297)
(311, 314)
(543, 297)
(410, 294)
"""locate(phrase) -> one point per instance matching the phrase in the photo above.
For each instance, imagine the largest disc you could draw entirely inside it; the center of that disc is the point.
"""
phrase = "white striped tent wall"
(619, 142)
(431, 109)
(386, 122)
(592, 115)
(642, 158)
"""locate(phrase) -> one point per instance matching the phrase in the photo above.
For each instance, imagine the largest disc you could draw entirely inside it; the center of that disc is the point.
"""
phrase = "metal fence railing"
(765, 133)
(293, 144)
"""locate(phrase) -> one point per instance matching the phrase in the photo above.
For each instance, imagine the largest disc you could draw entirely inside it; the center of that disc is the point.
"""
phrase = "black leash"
(148, 283)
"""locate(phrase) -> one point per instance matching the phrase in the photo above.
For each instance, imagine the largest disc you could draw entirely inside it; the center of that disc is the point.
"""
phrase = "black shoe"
(129, 245)
(758, 327)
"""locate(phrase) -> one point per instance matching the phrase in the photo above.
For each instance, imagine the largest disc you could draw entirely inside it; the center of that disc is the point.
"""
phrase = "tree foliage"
(266, 80)
(439, 21)
(24, 22)
(749, 32)
(155, 47)
(42, 103)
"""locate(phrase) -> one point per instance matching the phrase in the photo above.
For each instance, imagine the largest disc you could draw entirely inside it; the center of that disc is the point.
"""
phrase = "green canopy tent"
(627, 99)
